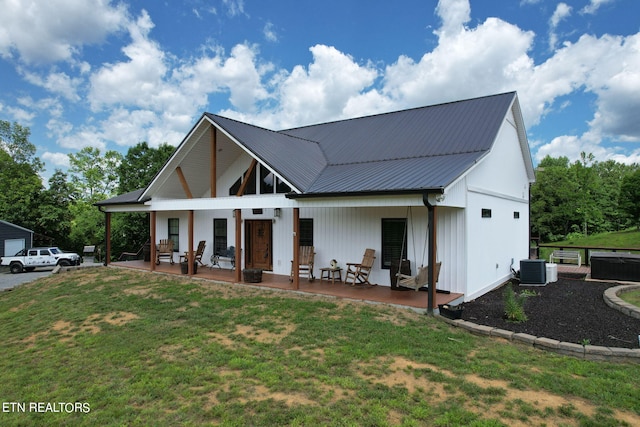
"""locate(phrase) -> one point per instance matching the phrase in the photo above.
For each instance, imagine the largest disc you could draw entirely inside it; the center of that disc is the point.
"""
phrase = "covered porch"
(374, 294)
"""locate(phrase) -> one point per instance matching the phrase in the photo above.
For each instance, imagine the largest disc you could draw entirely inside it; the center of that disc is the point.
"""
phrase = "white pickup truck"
(29, 259)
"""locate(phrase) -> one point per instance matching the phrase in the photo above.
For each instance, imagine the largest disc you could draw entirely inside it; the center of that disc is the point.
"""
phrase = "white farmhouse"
(447, 184)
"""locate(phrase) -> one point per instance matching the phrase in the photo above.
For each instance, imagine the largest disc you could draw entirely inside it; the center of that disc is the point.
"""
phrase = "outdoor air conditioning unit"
(533, 272)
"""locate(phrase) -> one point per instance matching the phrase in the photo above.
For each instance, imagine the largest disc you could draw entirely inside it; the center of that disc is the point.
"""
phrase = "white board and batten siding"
(499, 185)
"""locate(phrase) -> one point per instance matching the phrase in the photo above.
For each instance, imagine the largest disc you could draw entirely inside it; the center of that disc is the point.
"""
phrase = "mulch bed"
(571, 310)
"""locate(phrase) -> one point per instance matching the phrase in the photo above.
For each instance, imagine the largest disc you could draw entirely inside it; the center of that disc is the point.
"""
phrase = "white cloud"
(320, 92)
(56, 159)
(454, 14)
(55, 30)
(136, 82)
(593, 6)
(56, 83)
(234, 7)
(562, 12)
(269, 32)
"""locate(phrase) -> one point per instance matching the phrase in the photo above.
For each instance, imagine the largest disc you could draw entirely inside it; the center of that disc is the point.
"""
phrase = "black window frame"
(173, 232)
(394, 245)
(305, 225)
(220, 235)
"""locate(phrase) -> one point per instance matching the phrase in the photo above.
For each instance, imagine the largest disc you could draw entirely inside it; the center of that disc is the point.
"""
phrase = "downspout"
(431, 209)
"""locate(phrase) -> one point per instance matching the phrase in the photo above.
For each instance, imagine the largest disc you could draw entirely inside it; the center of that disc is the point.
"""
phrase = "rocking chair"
(305, 262)
(361, 271)
(421, 279)
(165, 250)
(197, 257)
(126, 256)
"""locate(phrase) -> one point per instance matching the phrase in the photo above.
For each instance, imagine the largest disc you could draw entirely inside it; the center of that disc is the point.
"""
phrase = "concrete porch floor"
(379, 294)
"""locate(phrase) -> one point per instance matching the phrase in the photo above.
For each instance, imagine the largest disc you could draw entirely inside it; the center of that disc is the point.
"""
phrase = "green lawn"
(137, 348)
(632, 297)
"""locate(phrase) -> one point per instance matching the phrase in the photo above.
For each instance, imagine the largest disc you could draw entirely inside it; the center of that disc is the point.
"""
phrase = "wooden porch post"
(296, 248)
(190, 253)
(238, 244)
(107, 238)
(152, 234)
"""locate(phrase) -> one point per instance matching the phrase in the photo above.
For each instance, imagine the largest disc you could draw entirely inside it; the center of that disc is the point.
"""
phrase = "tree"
(21, 184)
(137, 169)
(630, 196)
(56, 216)
(140, 165)
(94, 177)
(554, 199)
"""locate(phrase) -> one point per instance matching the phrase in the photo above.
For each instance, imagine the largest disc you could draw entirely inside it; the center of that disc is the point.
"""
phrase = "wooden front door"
(258, 244)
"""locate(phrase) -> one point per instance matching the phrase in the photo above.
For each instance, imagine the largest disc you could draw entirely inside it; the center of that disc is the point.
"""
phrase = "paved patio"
(377, 294)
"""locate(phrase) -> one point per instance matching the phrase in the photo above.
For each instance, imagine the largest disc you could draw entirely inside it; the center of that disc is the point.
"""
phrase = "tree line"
(63, 212)
(584, 197)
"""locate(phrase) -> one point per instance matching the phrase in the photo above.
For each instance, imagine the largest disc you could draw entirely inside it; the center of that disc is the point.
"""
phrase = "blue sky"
(111, 74)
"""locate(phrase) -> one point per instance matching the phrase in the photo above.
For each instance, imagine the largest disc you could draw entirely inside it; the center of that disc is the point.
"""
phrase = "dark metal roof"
(133, 197)
(298, 160)
(421, 148)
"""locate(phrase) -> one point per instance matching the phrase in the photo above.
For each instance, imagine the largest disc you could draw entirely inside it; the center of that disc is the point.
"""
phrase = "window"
(219, 235)
(486, 213)
(174, 233)
(267, 179)
(268, 183)
(281, 187)
(394, 243)
(516, 215)
(306, 231)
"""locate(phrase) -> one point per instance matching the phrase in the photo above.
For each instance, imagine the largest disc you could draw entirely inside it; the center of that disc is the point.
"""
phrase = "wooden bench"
(566, 255)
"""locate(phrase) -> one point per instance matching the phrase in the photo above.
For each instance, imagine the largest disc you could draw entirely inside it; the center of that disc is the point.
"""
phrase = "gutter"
(424, 191)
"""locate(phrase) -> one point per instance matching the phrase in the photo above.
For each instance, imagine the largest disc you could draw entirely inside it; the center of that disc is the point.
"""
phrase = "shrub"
(514, 305)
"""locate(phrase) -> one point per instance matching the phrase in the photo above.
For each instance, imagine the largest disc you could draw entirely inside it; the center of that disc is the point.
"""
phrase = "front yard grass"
(148, 349)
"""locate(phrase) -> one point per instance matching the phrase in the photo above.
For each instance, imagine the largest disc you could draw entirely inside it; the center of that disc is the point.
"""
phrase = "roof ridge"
(212, 116)
(398, 111)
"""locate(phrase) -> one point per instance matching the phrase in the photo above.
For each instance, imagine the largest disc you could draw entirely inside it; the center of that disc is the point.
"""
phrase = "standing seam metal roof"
(409, 150)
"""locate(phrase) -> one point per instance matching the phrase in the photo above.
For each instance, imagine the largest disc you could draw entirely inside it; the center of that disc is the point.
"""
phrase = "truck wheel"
(15, 268)
(64, 263)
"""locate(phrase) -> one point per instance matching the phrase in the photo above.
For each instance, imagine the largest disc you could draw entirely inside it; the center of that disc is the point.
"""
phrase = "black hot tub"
(615, 266)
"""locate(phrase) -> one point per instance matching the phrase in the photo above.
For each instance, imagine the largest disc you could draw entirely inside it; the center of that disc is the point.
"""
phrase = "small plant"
(514, 305)
(585, 342)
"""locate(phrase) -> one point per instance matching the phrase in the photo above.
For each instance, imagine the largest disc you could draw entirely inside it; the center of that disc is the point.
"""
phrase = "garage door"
(12, 246)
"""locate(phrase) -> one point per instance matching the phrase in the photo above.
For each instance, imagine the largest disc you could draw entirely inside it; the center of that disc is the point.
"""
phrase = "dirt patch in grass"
(547, 407)
(22, 306)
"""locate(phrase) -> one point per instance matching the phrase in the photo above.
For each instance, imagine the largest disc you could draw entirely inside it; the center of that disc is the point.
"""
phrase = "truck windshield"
(54, 251)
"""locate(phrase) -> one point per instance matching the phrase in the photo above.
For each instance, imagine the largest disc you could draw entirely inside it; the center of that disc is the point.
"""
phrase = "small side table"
(330, 274)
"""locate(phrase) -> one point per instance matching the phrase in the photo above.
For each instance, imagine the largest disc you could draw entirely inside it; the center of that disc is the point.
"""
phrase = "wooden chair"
(165, 250)
(306, 256)
(125, 256)
(361, 271)
(197, 257)
(421, 279)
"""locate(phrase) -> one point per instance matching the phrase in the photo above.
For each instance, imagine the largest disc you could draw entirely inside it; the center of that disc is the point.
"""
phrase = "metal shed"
(13, 238)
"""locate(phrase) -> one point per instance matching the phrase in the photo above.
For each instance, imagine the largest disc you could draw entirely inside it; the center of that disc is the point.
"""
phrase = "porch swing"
(421, 279)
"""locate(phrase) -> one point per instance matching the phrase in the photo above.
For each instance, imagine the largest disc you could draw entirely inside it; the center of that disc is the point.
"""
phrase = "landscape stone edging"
(586, 352)
(612, 299)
